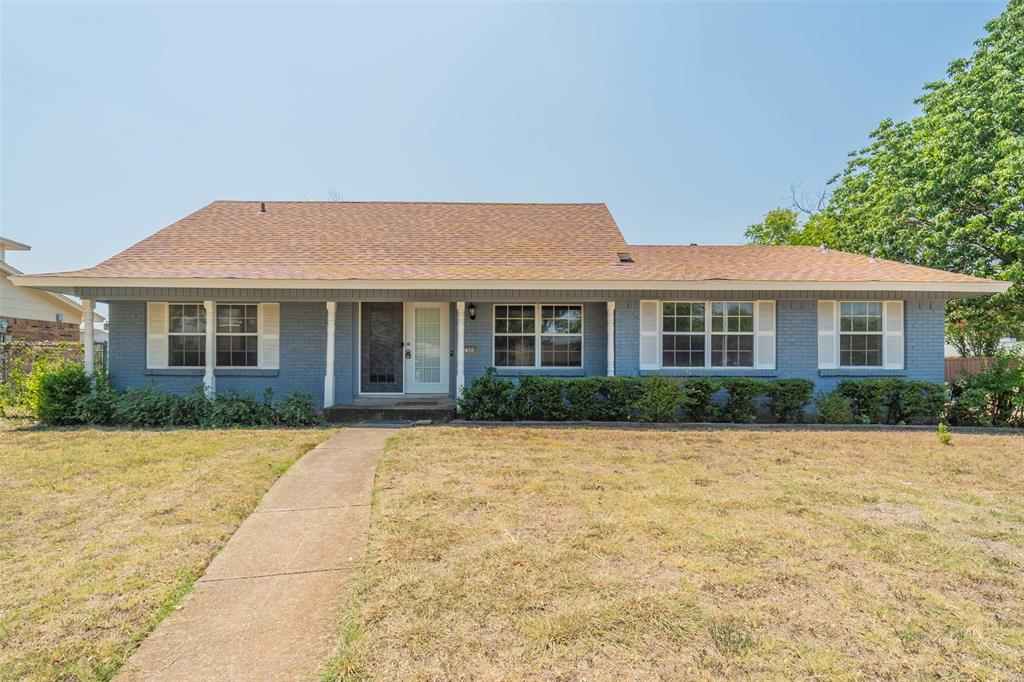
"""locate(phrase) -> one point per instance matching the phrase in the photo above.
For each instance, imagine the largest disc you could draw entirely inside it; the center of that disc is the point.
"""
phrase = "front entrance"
(381, 347)
(403, 348)
(426, 347)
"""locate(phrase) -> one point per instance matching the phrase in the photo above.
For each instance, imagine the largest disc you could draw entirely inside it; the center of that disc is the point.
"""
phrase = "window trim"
(537, 334)
(839, 335)
(708, 334)
(218, 334)
(258, 334)
(168, 333)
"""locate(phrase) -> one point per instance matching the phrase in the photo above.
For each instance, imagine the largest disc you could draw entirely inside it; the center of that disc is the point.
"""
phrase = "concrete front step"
(356, 413)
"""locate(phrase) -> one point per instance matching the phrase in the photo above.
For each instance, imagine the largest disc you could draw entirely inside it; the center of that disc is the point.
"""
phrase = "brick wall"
(20, 329)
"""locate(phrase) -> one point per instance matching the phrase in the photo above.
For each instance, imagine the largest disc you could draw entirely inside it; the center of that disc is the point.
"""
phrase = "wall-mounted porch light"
(471, 309)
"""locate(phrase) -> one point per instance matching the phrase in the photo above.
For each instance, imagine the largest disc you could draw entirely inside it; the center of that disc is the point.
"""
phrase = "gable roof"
(373, 244)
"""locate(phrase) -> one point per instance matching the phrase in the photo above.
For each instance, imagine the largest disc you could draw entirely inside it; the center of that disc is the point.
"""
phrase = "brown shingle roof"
(452, 241)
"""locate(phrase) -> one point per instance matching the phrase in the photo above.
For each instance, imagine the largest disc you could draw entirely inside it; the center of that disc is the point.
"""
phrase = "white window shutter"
(156, 335)
(650, 324)
(828, 346)
(892, 326)
(269, 348)
(764, 335)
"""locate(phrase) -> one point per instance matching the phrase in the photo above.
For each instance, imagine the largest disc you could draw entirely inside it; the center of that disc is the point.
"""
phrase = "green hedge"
(650, 399)
(63, 395)
(702, 399)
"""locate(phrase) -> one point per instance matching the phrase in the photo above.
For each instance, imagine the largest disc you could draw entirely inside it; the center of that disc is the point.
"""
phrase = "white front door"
(426, 348)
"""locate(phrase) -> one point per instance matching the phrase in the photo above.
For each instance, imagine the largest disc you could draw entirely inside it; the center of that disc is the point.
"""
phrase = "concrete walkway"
(267, 605)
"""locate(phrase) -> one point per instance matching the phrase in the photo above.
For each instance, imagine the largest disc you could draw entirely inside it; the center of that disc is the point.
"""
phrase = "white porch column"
(211, 345)
(88, 336)
(460, 347)
(611, 338)
(332, 309)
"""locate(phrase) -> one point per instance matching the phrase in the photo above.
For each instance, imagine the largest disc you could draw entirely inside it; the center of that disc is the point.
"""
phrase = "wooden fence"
(961, 368)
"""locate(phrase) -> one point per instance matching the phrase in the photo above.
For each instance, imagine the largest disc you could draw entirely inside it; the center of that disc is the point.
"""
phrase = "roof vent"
(624, 257)
(263, 207)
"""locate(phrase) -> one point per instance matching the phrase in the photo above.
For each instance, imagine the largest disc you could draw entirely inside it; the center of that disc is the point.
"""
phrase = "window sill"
(709, 372)
(219, 372)
(861, 372)
(540, 371)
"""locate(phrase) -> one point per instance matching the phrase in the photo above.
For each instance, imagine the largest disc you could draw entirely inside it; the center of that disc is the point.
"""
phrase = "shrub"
(541, 398)
(741, 400)
(661, 399)
(147, 407)
(968, 405)
(993, 397)
(603, 398)
(894, 400)
(239, 409)
(98, 405)
(700, 392)
(944, 436)
(788, 397)
(297, 409)
(56, 386)
(834, 409)
(489, 397)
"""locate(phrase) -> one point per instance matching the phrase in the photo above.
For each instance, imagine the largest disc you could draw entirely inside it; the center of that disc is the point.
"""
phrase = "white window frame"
(707, 337)
(662, 333)
(218, 334)
(711, 334)
(840, 333)
(168, 333)
(537, 334)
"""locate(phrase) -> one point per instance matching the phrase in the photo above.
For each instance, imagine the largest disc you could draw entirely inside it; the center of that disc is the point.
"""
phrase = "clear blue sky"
(688, 120)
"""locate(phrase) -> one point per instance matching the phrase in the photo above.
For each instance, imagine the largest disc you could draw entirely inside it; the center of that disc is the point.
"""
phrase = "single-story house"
(347, 299)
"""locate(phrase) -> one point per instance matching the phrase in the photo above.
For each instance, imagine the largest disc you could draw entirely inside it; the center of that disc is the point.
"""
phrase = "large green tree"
(945, 189)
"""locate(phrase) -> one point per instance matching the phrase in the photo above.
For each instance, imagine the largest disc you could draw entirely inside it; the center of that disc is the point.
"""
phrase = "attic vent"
(624, 257)
(263, 207)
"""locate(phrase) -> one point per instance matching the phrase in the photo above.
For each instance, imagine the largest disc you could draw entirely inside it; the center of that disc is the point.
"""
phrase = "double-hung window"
(538, 335)
(237, 335)
(186, 335)
(683, 339)
(707, 335)
(860, 334)
(732, 334)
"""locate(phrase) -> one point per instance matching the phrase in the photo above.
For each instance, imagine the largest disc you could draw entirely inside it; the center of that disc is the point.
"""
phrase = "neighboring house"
(343, 299)
(33, 315)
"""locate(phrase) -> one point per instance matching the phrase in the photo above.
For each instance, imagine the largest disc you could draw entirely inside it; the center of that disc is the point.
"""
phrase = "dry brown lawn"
(513, 553)
(102, 532)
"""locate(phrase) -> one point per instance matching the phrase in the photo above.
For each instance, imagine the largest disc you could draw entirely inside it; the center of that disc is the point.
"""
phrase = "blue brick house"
(349, 300)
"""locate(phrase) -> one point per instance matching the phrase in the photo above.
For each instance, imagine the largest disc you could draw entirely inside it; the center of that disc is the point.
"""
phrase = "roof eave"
(69, 283)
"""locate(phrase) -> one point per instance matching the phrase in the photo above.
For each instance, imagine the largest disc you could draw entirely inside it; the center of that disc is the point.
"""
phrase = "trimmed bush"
(834, 409)
(700, 392)
(542, 398)
(894, 400)
(787, 398)
(55, 388)
(603, 398)
(741, 396)
(488, 398)
(297, 409)
(661, 400)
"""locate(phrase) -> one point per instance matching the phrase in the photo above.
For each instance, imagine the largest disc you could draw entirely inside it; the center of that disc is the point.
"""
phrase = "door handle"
(408, 354)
